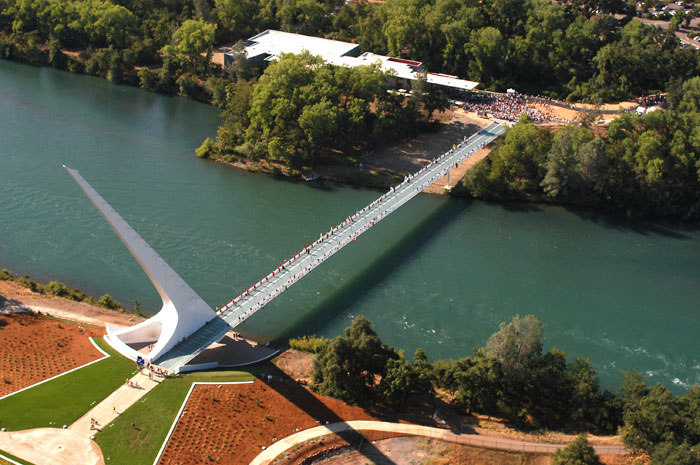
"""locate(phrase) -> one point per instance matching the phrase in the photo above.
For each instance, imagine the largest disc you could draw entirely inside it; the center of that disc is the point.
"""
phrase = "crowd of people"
(652, 100)
(507, 107)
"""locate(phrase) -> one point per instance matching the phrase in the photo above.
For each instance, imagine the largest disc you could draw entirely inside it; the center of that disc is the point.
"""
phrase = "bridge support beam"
(183, 311)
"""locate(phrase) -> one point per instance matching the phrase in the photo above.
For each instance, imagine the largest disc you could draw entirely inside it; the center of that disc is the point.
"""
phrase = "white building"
(268, 45)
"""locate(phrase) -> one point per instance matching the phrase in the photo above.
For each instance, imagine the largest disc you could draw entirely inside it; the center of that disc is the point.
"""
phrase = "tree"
(429, 97)
(515, 168)
(57, 288)
(578, 452)
(677, 19)
(192, 39)
(515, 343)
(235, 19)
(593, 168)
(655, 419)
(347, 367)
(488, 48)
(586, 402)
(690, 408)
(398, 383)
(304, 110)
(107, 301)
(676, 454)
(632, 390)
(475, 383)
(561, 167)
(302, 16)
(204, 150)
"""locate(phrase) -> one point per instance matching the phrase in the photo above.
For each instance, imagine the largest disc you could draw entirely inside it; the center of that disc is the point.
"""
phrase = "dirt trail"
(15, 297)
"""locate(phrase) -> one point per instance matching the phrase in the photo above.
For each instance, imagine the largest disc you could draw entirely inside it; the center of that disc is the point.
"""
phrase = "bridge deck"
(291, 271)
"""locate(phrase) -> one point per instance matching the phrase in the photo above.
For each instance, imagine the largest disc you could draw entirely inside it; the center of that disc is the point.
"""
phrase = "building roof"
(271, 43)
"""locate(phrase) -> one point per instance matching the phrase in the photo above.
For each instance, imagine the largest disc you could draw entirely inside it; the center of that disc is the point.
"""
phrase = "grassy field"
(152, 417)
(10, 456)
(65, 399)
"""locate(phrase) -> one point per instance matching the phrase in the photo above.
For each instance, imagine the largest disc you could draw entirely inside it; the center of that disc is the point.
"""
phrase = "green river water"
(439, 274)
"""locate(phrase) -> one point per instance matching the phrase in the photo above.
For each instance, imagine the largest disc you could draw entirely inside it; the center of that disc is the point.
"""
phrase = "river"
(439, 274)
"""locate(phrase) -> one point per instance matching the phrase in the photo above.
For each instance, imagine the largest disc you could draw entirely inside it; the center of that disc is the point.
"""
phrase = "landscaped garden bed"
(231, 424)
(36, 347)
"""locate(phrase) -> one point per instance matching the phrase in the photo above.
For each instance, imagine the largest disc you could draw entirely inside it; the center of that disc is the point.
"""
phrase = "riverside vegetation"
(644, 166)
(577, 51)
(574, 51)
(59, 289)
(511, 377)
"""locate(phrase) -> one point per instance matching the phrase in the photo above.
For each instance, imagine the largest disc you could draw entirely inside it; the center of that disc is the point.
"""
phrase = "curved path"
(52, 446)
(491, 442)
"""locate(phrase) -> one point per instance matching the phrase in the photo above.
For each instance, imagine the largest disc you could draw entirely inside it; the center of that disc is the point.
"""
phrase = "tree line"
(577, 51)
(643, 166)
(303, 111)
(511, 377)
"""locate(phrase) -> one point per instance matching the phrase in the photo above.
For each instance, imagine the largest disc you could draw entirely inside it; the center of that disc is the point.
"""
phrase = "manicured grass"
(152, 416)
(72, 322)
(10, 456)
(65, 399)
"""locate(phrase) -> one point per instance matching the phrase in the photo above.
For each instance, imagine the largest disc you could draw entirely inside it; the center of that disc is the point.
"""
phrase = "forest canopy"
(645, 166)
(303, 109)
(577, 51)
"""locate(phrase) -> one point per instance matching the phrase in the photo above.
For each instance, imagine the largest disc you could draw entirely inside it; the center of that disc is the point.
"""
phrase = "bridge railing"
(353, 226)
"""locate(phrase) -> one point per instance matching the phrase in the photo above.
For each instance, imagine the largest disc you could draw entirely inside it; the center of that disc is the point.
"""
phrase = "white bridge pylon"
(181, 328)
(183, 311)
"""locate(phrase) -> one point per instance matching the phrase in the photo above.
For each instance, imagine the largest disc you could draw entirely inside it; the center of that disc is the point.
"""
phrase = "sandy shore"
(385, 166)
(14, 297)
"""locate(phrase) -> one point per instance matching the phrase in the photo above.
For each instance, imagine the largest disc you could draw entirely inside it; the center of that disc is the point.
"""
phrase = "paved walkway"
(51, 446)
(74, 445)
(109, 409)
(268, 455)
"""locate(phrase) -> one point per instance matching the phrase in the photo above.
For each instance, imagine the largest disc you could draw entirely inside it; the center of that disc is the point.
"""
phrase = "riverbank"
(387, 166)
(14, 297)
(298, 366)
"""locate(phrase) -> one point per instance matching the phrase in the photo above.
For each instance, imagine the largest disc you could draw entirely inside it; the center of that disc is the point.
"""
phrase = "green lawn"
(152, 416)
(10, 456)
(65, 399)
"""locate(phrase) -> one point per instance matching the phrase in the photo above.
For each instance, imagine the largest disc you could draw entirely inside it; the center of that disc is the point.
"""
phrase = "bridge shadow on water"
(407, 245)
(675, 230)
(609, 220)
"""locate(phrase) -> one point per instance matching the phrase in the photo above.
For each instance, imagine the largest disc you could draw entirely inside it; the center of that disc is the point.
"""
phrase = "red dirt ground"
(230, 424)
(34, 348)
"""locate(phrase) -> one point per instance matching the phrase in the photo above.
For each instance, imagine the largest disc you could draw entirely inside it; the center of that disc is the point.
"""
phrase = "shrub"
(310, 344)
(668, 452)
(149, 79)
(5, 275)
(579, 452)
(28, 283)
(189, 87)
(216, 88)
(107, 301)
(205, 149)
(75, 65)
(6, 48)
(57, 58)
(57, 288)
